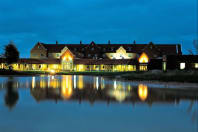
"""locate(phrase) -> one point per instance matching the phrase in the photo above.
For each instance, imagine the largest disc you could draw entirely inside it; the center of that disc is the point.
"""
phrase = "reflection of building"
(67, 87)
(115, 91)
(100, 57)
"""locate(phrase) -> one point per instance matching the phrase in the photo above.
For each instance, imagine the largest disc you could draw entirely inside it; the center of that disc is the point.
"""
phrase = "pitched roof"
(166, 49)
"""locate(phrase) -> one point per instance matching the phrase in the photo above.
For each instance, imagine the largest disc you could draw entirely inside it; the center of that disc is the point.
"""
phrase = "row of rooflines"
(164, 49)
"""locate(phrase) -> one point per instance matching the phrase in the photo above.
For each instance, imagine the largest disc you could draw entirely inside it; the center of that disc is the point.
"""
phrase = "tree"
(11, 54)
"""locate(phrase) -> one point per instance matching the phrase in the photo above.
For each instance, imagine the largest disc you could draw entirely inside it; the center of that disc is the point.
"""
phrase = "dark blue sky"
(121, 21)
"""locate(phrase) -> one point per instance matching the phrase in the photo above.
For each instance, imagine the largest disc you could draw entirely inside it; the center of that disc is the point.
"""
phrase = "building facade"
(99, 57)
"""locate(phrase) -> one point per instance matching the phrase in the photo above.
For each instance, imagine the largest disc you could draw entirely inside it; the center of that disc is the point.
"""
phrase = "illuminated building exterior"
(99, 57)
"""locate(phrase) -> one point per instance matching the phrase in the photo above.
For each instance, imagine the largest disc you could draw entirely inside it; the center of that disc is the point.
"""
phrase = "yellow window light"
(143, 58)
(52, 71)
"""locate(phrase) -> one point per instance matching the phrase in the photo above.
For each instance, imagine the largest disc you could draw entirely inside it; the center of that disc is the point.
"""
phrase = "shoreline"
(158, 76)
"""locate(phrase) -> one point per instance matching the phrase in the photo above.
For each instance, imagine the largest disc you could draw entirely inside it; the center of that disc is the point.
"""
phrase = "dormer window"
(92, 48)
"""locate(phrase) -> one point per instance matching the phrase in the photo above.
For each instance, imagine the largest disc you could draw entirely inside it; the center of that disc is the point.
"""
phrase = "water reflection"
(102, 93)
(66, 88)
(93, 89)
(142, 92)
(11, 96)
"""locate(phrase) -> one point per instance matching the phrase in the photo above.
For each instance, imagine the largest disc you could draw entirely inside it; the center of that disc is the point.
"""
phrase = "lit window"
(164, 66)
(143, 58)
(196, 65)
(143, 68)
(182, 66)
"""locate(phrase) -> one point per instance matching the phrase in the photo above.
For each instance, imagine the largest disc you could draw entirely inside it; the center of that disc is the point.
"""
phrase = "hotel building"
(102, 57)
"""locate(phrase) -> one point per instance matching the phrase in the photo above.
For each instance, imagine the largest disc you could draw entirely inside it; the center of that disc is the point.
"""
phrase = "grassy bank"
(31, 73)
(170, 76)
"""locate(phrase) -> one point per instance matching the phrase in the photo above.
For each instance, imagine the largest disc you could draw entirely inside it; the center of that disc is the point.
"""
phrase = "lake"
(96, 104)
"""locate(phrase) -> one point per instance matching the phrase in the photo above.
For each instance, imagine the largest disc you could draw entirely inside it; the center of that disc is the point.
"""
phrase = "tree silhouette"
(12, 96)
(11, 54)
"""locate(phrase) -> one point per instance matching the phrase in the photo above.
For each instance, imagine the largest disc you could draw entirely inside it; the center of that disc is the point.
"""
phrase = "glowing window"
(143, 58)
(143, 68)
(196, 65)
(182, 66)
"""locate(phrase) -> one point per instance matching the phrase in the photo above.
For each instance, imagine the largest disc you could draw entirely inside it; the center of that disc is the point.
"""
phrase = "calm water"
(95, 104)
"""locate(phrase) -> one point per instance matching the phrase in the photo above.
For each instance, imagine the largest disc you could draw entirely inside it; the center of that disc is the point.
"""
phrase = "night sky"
(122, 21)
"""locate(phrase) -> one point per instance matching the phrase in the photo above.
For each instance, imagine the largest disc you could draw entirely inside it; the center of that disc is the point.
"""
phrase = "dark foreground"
(170, 76)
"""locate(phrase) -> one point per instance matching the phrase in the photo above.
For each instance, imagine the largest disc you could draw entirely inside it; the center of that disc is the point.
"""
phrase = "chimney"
(134, 42)
(109, 42)
(56, 42)
(80, 42)
(179, 52)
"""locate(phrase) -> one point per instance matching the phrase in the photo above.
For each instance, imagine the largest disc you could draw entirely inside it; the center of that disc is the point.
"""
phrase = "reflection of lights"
(114, 85)
(74, 81)
(143, 92)
(129, 87)
(96, 83)
(66, 89)
(80, 82)
(143, 58)
(54, 83)
(43, 83)
(119, 95)
(102, 83)
(48, 81)
(52, 77)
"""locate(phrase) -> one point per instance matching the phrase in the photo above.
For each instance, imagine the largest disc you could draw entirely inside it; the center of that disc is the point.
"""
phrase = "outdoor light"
(182, 66)
(52, 71)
